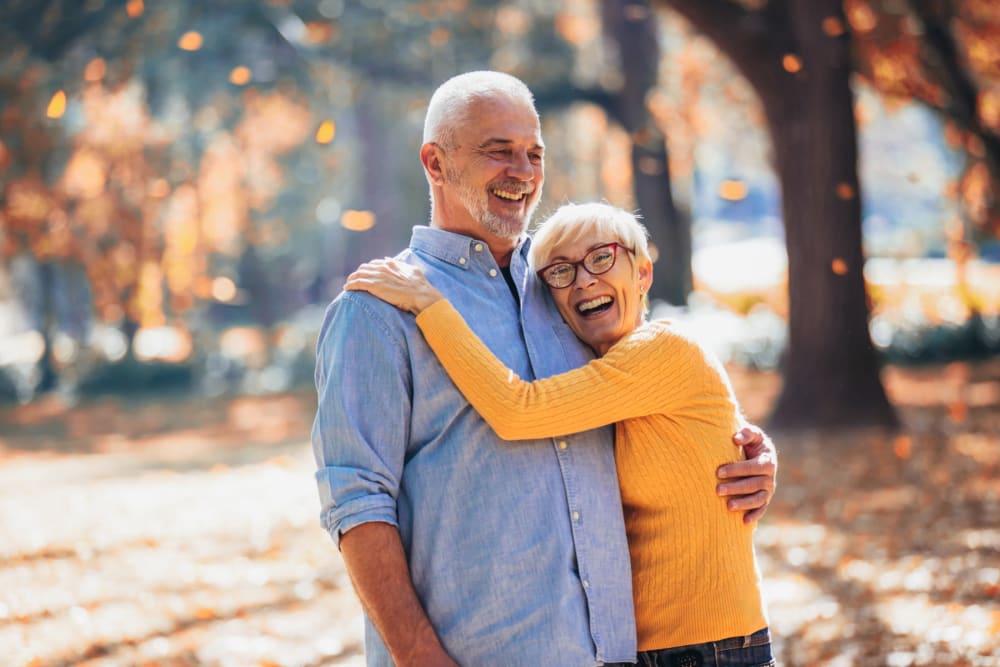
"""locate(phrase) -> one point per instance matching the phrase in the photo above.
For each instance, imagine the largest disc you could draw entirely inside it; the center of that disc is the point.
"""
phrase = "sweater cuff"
(436, 313)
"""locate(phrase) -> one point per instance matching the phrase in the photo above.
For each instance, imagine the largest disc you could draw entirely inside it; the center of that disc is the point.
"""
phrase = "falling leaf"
(845, 190)
(205, 613)
(902, 446)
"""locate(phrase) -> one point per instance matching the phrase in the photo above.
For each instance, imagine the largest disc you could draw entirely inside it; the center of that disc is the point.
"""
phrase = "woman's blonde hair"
(571, 222)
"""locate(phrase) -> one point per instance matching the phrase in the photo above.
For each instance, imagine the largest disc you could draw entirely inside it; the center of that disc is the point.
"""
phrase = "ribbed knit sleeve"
(653, 370)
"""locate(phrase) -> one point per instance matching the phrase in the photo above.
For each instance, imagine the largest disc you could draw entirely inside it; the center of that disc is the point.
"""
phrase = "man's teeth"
(512, 196)
(584, 306)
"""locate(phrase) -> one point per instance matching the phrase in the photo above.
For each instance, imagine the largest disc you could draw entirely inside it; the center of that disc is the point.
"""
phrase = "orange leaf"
(205, 613)
(903, 447)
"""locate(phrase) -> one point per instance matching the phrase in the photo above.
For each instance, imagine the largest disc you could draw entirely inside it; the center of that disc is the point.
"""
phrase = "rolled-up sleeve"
(362, 420)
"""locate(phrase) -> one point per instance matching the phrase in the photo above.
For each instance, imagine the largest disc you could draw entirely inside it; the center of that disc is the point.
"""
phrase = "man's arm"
(751, 483)
(377, 565)
(359, 440)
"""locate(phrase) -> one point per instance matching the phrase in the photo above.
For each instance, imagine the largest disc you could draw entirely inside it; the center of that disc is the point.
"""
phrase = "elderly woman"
(694, 573)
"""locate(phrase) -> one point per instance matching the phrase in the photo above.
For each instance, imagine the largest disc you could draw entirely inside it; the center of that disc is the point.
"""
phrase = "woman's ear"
(431, 156)
(645, 275)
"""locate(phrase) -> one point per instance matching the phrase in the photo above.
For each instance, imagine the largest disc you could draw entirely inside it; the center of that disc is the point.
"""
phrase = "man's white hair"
(451, 102)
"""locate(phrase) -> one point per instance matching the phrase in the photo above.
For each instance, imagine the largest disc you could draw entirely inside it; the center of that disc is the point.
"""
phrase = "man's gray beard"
(477, 203)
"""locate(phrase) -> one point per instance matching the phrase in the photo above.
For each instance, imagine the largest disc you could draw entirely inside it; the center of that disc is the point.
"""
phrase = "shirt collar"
(455, 248)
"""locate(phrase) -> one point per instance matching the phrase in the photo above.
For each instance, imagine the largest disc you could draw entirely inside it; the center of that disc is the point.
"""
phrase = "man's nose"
(520, 166)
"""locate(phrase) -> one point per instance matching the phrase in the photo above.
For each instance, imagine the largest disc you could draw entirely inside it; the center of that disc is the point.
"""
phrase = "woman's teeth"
(586, 307)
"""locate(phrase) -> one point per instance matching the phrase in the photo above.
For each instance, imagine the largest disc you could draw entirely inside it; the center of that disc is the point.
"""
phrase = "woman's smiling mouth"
(594, 306)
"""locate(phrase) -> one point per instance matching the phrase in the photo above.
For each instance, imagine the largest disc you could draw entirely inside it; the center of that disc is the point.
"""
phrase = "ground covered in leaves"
(184, 532)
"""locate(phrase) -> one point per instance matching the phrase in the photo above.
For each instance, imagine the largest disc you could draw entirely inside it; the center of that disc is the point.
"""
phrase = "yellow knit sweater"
(694, 573)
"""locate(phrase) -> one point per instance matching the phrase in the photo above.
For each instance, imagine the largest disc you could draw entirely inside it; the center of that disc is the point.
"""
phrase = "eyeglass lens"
(597, 261)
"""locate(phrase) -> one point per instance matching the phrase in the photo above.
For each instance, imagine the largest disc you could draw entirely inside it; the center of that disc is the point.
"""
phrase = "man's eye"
(535, 157)
(500, 152)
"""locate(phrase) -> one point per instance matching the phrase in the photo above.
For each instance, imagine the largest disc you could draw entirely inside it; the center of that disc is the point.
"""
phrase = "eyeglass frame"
(614, 245)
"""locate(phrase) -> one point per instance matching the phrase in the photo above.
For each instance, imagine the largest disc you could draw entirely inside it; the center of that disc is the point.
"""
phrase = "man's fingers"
(745, 486)
(761, 465)
(748, 502)
(748, 435)
(754, 515)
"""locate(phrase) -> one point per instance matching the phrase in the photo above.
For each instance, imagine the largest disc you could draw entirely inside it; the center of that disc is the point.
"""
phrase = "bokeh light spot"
(134, 8)
(223, 289)
(325, 133)
(861, 17)
(57, 105)
(240, 76)
(839, 266)
(95, 70)
(791, 62)
(833, 26)
(845, 190)
(733, 190)
(357, 221)
(191, 41)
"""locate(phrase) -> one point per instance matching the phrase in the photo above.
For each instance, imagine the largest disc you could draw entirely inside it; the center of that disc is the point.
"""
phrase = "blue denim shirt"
(517, 550)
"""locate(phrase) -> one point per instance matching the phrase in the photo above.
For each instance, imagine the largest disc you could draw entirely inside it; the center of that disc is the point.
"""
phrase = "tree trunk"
(802, 76)
(831, 371)
(631, 24)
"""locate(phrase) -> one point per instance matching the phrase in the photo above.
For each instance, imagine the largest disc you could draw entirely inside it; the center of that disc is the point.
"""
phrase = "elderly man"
(464, 549)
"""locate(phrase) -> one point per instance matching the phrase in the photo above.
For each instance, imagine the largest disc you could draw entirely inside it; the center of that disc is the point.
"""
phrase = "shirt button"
(586, 584)
(576, 516)
(479, 247)
(562, 444)
(493, 273)
(461, 260)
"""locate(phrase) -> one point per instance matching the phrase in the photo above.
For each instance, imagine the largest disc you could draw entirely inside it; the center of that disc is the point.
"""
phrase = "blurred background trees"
(186, 185)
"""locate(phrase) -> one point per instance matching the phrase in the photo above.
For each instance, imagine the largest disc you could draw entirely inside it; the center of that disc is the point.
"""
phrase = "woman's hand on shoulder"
(402, 285)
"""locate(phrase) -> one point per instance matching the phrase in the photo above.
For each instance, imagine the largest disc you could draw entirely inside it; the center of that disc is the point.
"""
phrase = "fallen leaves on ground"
(184, 532)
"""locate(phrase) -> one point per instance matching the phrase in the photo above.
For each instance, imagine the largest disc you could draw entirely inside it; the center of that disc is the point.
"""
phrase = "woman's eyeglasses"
(597, 261)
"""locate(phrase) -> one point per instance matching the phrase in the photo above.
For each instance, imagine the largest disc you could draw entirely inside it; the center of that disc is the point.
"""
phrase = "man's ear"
(431, 156)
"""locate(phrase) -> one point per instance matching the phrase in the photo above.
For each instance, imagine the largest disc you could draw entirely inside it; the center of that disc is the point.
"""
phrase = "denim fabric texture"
(517, 550)
(750, 651)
